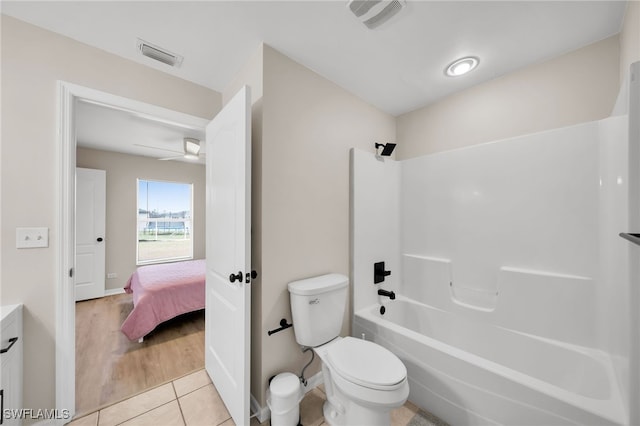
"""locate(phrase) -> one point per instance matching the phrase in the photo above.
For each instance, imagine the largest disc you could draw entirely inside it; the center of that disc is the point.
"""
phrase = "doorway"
(70, 95)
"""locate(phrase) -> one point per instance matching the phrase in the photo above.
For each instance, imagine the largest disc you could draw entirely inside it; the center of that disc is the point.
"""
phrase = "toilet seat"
(366, 364)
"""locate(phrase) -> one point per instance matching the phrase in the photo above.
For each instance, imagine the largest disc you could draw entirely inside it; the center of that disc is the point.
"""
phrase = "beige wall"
(33, 60)
(309, 125)
(302, 129)
(630, 38)
(249, 75)
(122, 173)
(576, 87)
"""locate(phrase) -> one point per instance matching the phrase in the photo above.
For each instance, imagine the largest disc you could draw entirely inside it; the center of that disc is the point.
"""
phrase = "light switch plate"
(32, 237)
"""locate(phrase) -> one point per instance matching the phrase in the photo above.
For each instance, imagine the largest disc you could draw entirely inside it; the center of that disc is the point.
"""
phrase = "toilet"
(363, 381)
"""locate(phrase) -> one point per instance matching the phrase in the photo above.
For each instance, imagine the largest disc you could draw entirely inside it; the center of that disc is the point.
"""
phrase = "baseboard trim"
(263, 413)
(113, 291)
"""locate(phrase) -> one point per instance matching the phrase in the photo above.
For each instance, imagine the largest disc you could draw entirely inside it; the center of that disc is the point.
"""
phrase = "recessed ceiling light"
(461, 66)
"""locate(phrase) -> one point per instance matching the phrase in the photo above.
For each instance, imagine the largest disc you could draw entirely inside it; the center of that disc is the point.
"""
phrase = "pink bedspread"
(161, 292)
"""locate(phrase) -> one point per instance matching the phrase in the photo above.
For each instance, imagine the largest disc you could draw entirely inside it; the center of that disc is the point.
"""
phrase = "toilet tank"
(317, 308)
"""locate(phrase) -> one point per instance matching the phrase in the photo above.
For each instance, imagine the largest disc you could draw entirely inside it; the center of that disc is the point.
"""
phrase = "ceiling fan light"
(191, 146)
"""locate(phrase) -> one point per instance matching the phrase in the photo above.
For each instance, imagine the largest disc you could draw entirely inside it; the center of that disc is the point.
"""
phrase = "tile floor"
(193, 400)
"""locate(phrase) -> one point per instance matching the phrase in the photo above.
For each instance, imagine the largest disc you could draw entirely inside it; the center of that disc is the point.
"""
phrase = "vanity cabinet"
(11, 359)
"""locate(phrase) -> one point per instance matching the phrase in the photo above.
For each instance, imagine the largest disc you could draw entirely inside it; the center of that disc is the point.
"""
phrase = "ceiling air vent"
(374, 13)
(159, 54)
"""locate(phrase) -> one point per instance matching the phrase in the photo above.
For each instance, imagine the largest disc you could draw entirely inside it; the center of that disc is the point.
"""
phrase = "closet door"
(91, 195)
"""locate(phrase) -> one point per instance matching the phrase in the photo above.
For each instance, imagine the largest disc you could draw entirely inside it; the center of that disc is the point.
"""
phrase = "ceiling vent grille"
(374, 13)
(159, 54)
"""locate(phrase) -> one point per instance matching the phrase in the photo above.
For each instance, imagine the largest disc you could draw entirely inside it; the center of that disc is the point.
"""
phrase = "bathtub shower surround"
(510, 277)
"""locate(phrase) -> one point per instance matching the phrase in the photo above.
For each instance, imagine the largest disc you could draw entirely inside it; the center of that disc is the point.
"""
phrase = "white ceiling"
(111, 129)
(397, 67)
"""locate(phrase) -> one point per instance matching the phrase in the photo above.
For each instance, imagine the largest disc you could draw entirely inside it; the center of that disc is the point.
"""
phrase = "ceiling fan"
(191, 150)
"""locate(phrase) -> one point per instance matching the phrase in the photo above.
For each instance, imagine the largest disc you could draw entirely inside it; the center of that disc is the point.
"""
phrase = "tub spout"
(391, 295)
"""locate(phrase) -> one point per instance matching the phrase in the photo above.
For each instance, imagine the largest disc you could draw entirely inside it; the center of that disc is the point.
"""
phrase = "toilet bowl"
(363, 381)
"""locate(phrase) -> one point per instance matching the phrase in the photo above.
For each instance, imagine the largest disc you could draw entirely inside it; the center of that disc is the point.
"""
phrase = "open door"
(228, 297)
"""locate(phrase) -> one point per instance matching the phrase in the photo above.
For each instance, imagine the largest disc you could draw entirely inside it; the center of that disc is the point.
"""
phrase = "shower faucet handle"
(379, 272)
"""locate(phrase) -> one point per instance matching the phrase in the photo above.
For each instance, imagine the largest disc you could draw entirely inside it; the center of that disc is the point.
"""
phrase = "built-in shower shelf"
(634, 238)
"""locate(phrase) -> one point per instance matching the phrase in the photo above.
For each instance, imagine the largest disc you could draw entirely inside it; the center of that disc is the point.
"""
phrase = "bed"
(161, 292)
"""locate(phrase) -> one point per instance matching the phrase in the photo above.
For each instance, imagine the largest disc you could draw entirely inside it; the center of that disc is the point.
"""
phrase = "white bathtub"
(470, 373)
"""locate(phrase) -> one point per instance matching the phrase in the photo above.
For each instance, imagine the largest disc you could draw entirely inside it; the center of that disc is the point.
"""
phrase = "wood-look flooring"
(110, 367)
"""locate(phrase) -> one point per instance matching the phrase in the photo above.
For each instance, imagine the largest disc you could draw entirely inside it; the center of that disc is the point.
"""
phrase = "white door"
(228, 291)
(91, 194)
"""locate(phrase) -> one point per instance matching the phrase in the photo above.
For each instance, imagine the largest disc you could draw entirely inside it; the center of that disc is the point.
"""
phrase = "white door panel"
(91, 197)
(228, 301)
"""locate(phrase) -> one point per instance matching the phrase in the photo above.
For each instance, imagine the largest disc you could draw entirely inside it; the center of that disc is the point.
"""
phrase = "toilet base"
(356, 415)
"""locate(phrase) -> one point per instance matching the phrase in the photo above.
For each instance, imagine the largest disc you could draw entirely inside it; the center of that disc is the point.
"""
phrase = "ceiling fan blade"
(171, 158)
(155, 147)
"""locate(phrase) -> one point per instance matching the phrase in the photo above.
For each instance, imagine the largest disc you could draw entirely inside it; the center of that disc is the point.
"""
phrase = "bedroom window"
(165, 221)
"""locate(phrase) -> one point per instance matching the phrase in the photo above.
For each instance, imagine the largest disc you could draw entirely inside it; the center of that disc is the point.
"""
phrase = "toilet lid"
(366, 363)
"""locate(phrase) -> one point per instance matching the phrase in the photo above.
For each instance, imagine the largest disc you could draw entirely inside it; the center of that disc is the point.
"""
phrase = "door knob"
(99, 239)
(234, 277)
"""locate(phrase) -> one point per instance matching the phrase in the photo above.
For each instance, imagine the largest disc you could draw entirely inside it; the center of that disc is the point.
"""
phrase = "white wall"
(33, 60)
(520, 233)
(121, 225)
(375, 226)
(613, 293)
(633, 156)
(499, 232)
(517, 221)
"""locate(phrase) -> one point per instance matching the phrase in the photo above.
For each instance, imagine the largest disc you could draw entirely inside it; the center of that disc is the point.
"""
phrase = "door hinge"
(71, 273)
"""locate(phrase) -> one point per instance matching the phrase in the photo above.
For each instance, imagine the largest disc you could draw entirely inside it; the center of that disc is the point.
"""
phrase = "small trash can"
(283, 399)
